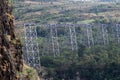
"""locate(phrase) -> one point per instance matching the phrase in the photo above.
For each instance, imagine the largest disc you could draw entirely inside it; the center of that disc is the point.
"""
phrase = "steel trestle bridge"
(60, 37)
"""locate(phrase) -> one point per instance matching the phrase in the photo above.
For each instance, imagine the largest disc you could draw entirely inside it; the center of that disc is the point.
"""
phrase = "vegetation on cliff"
(11, 58)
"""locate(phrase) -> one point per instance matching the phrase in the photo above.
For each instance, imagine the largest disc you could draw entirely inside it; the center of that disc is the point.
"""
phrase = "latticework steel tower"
(54, 39)
(73, 38)
(32, 56)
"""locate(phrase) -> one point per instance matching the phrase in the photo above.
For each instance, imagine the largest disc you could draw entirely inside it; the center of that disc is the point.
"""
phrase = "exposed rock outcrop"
(11, 60)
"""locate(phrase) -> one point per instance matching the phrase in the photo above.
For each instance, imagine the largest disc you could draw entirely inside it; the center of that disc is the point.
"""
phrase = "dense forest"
(97, 63)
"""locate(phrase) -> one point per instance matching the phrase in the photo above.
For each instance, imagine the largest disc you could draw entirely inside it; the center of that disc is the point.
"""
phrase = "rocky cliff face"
(11, 60)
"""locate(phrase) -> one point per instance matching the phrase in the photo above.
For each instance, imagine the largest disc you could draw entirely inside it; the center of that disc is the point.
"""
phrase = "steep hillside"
(11, 58)
(67, 12)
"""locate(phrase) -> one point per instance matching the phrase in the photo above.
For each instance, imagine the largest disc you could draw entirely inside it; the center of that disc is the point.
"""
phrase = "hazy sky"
(81, 0)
